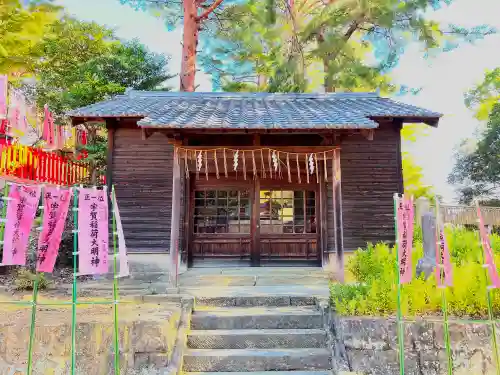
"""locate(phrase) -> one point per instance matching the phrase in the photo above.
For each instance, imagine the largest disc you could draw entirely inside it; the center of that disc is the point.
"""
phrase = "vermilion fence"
(30, 163)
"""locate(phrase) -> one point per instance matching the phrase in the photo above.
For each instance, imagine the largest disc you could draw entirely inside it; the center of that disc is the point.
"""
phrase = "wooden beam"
(367, 133)
(111, 125)
(337, 217)
(255, 224)
(398, 124)
(175, 221)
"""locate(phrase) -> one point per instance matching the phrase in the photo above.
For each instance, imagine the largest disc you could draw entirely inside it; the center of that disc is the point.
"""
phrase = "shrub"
(375, 292)
(25, 280)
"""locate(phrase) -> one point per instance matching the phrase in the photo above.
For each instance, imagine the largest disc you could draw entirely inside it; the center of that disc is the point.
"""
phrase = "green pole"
(115, 288)
(33, 314)
(444, 302)
(399, 320)
(74, 291)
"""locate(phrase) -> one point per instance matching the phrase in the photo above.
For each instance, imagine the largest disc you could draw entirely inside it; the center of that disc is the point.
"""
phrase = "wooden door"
(221, 221)
(288, 223)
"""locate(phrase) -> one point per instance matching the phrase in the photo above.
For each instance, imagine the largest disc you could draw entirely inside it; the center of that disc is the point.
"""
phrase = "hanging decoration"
(311, 164)
(216, 164)
(279, 164)
(275, 161)
(235, 162)
(122, 247)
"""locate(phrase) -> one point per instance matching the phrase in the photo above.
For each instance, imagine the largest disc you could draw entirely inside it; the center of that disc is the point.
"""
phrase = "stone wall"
(370, 346)
(151, 337)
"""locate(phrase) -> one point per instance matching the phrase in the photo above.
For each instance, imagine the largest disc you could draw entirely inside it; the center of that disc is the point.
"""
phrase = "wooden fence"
(33, 164)
(462, 214)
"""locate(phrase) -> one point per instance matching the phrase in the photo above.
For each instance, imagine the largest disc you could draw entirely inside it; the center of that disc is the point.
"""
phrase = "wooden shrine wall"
(142, 175)
(371, 174)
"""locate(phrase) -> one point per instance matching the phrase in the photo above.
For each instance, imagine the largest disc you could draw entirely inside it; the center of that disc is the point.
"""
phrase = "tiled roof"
(255, 110)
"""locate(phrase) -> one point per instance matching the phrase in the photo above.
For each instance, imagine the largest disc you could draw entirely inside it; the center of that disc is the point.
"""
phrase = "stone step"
(327, 372)
(255, 300)
(257, 339)
(245, 360)
(306, 317)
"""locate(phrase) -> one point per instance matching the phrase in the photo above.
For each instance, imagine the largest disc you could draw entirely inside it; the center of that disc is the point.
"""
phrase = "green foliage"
(22, 28)
(375, 291)
(485, 95)
(25, 280)
(85, 63)
(476, 173)
(331, 44)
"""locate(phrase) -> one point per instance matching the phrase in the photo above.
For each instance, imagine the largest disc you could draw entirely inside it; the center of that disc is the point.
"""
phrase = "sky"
(444, 79)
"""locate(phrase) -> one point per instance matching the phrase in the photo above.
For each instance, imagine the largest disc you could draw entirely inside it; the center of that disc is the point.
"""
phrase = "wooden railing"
(33, 164)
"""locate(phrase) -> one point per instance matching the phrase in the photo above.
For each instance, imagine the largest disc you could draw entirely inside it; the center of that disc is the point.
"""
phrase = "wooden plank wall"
(371, 174)
(142, 175)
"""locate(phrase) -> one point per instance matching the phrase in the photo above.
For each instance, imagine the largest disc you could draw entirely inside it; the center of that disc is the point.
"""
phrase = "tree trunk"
(329, 85)
(190, 43)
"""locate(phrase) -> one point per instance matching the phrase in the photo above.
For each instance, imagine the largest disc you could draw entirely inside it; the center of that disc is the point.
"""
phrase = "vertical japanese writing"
(93, 231)
(21, 209)
(405, 238)
(56, 204)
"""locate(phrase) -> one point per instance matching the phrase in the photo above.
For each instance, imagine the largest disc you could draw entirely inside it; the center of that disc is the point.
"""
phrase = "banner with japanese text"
(56, 204)
(3, 97)
(93, 235)
(405, 238)
(444, 269)
(122, 248)
(21, 210)
(488, 252)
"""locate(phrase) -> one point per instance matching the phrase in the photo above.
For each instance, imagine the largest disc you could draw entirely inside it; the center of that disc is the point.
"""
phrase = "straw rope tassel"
(307, 169)
(326, 169)
(298, 168)
(186, 163)
(262, 164)
(216, 164)
(254, 165)
(279, 164)
(206, 166)
(317, 169)
(288, 167)
(244, 165)
(225, 163)
(270, 164)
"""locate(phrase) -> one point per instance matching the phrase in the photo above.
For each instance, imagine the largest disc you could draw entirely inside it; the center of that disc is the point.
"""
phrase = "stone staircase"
(258, 335)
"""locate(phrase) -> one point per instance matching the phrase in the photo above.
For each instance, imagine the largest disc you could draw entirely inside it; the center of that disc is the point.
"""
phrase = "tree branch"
(209, 10)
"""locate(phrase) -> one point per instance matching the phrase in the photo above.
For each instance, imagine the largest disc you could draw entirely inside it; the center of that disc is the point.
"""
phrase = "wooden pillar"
(399, 157)
(255, 224)
(175, 258)
(111, 125)
(337, 217)
(323, 219)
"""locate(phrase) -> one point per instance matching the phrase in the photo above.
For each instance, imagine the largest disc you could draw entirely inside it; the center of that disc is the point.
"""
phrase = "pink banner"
(405, 238)
(3, 96)
(93, 235)
(444, 269)
(21, 210)
(48, 127)
(56, 204)
(17, 114)
(122, 248)
(488, 252)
